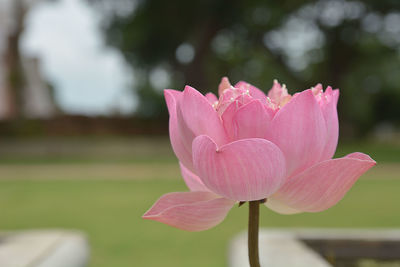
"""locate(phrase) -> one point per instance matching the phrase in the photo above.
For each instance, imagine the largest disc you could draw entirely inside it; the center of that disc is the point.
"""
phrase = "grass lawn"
(109, 212)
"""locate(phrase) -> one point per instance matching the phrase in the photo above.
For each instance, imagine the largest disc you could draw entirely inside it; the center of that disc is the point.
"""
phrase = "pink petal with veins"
(329, 111)
(251, 121)
(190, 211)
(324, 184)
(182, 150)
(299, 130)
(244, 170)
(196, 116)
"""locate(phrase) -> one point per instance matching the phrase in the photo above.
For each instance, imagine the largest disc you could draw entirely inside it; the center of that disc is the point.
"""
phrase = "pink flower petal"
(276, 92)
(211, 98)
(324, 184)
(279, 94)
(171, 98)
(254, 91)
(190, 211)
(229, 113)
(227, 117)
(192, 181)
(196, 116)
(247, 169)
(223, 85)
(335, 95)
(182, 151)
(329, 112)
(251, 121)
(299, 130)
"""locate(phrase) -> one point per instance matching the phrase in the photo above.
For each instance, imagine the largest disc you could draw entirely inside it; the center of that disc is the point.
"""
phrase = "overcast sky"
(89, 77)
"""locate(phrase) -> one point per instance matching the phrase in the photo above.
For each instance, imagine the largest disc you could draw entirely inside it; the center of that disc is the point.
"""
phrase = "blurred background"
(84, 127)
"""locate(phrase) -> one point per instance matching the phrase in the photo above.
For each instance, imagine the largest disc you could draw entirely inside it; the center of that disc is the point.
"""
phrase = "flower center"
(229, 94)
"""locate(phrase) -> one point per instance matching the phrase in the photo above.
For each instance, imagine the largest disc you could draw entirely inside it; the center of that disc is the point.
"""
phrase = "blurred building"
(23, 91)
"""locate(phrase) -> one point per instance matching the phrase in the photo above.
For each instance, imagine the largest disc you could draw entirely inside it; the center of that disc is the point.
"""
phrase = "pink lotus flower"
(248, 146)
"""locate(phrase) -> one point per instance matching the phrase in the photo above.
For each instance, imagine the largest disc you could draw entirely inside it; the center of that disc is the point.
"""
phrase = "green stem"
(254, 214)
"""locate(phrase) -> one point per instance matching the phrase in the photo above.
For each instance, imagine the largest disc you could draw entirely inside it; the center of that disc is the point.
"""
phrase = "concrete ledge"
(304, 247)
(43, 248)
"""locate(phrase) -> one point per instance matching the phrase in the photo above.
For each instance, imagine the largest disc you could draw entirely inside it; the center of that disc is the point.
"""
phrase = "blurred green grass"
(102, 186)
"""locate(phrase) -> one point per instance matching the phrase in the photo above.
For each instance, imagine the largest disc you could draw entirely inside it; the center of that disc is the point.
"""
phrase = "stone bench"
(43, 248)
(311, 247)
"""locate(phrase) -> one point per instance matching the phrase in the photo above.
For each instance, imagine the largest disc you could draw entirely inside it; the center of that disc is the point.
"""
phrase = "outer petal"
(323, 185)
(196, 116)
(254, 91)
(335, 95)
(299, 130)
(192, 180)
(171, 98)
(190, 211)
(247, 169)
(251, 121)
(329, 112)
(182, 151)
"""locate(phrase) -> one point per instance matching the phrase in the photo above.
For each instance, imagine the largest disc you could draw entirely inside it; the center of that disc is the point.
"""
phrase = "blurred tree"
(15, 79)
(352, 45)
(12, 59)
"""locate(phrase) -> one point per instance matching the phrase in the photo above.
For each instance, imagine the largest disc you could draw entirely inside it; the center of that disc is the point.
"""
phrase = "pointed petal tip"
(362, 157)
(146, 216)
(171, 93)
(189, 88)
(171, 99)
(306, 95)
(319, 86)
(225, 79)
(330, 91)
(223, 85)
(197, 116)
